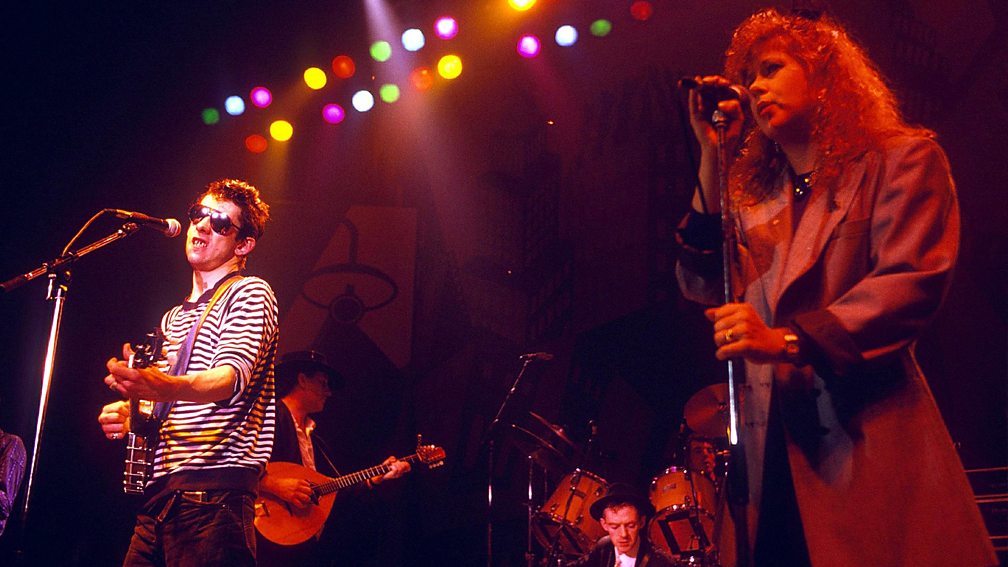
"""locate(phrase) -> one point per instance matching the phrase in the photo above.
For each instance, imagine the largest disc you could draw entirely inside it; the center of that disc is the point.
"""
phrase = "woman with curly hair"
(847, 231)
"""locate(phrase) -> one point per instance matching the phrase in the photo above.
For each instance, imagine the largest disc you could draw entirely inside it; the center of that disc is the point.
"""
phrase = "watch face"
(791, 345)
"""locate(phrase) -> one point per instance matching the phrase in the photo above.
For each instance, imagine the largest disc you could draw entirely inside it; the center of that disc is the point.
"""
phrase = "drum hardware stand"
(720, 499)
(669, 536)
(703, 540)
(59, 274)
(699, 534)
(738, 478)
(694, 514)
(529, 555)
(489, 442)
(553, 554)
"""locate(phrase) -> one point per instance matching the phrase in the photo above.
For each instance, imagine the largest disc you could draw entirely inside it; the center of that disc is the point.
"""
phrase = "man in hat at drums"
(304, 381)
(623, 513)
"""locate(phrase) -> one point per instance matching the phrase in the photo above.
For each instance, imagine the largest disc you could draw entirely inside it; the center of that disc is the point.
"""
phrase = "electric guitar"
(282, 523)
(142, 436)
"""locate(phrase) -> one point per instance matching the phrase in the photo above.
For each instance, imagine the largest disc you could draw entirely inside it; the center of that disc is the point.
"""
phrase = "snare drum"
(684, 516)
(565, 517)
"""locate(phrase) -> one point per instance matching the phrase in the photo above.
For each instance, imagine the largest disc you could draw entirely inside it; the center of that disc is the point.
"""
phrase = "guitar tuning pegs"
(419, 439)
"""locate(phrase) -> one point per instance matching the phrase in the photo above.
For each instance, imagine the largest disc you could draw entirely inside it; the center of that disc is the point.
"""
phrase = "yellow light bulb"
(281, 130)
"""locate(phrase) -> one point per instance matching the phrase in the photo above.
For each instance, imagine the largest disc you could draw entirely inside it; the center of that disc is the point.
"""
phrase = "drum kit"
(688, 505)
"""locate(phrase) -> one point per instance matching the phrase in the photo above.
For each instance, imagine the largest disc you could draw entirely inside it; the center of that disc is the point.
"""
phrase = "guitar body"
(284, 524)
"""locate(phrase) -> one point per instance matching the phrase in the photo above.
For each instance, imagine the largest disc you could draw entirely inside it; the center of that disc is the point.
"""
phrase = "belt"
(191, 495)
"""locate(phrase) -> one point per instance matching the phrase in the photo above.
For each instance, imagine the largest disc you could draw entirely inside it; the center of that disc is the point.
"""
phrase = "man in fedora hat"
(623, 513)
(304, 381)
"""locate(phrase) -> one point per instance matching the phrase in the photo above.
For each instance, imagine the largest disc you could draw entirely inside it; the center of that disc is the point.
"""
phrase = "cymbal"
(706, 412)
(547, 444)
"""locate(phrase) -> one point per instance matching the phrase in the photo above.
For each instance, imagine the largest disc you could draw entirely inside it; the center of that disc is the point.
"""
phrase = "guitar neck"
(358, 477)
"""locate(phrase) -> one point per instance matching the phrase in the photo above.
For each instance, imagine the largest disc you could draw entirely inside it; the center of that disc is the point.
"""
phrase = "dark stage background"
(526, 206)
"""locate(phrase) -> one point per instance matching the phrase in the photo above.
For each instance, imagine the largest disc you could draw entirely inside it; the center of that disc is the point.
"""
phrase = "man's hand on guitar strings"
(396, 467)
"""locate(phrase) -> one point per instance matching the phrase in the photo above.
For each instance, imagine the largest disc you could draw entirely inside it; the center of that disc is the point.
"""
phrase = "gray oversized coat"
(876, 476)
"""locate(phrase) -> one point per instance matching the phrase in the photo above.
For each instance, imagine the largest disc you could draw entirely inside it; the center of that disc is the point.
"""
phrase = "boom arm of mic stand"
(488, 440)
(59, 283)
(491, 429)
(51, 267)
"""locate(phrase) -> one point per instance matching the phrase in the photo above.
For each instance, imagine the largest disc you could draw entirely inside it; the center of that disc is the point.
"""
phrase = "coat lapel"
(817, 224)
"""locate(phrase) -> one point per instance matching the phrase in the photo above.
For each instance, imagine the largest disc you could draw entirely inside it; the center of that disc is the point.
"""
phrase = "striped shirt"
(240, 331)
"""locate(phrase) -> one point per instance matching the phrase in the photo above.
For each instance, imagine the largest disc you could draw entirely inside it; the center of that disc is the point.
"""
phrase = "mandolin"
(284, 524)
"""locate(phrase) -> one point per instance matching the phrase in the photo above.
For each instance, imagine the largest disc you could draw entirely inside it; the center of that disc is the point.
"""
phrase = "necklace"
(801, 183)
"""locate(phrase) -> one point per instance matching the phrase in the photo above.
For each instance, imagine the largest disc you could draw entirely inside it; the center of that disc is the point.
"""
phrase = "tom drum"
(565, 518)
(684, 517)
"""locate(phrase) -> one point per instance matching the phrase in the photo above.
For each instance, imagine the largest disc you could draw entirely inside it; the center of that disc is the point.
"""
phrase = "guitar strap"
(161, 409)
(323, 449)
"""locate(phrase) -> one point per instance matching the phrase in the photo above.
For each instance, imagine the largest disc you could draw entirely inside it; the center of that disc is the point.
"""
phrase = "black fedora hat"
(306, 361)
(621, 493)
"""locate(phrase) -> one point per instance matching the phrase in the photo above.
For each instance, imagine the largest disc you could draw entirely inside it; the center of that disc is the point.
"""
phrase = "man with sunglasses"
(216, 401)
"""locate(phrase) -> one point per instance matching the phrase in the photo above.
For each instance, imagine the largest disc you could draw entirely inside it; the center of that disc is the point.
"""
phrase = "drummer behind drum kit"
(688, 506)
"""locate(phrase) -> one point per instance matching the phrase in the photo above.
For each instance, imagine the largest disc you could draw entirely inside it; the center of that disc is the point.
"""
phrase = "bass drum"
(565, 517)
(685, 512)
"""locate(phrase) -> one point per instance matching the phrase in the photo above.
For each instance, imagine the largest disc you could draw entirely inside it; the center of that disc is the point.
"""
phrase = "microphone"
(536, 356)
(169, 227)
(713, 94)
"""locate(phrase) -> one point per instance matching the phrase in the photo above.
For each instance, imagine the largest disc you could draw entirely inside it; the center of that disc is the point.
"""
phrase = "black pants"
(193, 529)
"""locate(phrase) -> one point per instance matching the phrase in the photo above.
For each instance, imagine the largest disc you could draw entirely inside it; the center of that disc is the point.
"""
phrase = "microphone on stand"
(715, 93)
(169, 227)
(536, 356)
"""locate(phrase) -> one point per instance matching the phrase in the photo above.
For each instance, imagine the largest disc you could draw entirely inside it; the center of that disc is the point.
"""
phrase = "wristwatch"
(792, 350)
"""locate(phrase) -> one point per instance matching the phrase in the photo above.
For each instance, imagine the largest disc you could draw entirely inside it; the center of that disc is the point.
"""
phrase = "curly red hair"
(857, 109)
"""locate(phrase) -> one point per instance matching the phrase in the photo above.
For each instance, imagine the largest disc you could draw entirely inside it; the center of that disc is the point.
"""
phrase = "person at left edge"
(12, 469)
(218, 434)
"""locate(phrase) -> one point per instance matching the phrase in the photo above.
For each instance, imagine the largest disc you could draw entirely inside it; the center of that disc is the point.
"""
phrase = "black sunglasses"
(219, 221)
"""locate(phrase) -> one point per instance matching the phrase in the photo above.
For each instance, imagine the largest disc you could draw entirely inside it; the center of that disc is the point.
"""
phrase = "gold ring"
(728, 336)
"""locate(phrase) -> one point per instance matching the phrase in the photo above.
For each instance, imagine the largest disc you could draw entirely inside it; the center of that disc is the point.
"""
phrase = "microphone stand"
(489, 441)
(738, 478)
(554, 549)
(529, 556)
(59, 275)
(694, 513)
